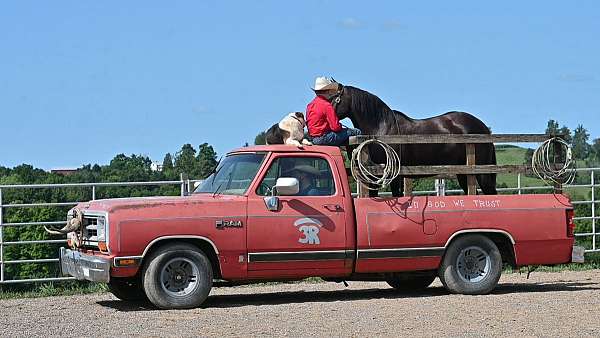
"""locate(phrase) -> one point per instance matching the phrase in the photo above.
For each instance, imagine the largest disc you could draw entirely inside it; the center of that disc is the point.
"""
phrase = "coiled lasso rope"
(361, 172)
(543, 166)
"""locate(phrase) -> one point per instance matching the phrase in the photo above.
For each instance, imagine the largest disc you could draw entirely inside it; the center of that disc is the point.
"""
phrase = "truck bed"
(401, 233)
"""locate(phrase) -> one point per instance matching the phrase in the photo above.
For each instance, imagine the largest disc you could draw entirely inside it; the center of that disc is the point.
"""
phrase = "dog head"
(293, 121)
(298, 116)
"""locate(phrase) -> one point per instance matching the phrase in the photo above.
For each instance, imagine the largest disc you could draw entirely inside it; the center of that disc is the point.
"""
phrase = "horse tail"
(487, 182)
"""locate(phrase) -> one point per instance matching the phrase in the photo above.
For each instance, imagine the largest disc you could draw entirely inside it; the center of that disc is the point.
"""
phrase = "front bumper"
(83, 266)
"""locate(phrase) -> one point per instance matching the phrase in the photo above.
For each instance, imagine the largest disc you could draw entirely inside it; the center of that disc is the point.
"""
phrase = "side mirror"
(286, 186)
(272, 203)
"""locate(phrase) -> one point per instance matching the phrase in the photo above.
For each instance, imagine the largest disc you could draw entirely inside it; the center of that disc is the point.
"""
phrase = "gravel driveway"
(548, 304)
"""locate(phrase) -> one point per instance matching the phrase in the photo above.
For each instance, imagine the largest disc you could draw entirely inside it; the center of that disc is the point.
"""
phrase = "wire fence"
(588, 237)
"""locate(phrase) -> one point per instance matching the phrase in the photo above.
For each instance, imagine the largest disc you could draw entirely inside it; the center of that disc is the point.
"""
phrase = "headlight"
(101, 229)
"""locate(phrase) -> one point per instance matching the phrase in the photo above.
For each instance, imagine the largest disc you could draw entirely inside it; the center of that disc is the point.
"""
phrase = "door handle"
(333, 207)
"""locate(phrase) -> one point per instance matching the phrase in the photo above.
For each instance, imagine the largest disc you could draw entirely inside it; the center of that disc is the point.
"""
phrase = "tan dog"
(290, 131)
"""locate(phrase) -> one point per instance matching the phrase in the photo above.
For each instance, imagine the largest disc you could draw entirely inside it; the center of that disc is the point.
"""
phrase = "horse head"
(341, 102)
(365, 110)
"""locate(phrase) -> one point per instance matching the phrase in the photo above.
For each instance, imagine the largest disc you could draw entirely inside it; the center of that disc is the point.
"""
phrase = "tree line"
(196, 162)
(585, 152)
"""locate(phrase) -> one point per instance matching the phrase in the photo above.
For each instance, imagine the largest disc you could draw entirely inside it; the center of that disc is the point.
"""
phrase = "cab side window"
(313, 174)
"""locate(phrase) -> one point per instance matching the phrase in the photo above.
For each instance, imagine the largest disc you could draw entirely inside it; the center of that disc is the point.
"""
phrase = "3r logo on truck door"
(309, 227)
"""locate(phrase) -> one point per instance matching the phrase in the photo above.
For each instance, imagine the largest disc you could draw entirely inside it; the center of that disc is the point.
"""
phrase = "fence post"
(440, 186)
(593, 182)
(519, 182)
(93, 192)
(471, 180)
(184, 184)
(1, 239)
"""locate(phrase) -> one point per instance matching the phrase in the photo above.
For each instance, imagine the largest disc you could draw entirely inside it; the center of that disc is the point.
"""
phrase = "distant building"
(156, 166)
(63, 171)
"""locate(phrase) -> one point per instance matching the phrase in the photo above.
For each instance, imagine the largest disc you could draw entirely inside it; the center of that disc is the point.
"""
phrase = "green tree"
(581, 148)
(566, 132)
(552, 127)
(207, 160)
(167, 165)
(185, 160)
(261, 138)
(595, 150)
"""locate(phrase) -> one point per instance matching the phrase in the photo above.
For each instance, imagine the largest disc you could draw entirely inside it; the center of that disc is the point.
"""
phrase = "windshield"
(233, 175)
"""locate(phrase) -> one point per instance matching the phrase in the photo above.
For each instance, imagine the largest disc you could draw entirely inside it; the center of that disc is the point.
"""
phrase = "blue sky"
(81, 81)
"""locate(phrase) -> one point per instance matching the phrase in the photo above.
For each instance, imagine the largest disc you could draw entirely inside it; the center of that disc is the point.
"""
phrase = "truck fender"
(154, 241)
(461, 232)
(212, 256)
(506, 250)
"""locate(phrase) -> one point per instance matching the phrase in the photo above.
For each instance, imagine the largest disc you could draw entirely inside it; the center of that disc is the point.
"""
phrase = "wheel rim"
(473, 264)
(179, 277)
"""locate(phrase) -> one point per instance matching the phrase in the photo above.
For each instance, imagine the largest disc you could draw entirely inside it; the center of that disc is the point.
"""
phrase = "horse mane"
(362, 100)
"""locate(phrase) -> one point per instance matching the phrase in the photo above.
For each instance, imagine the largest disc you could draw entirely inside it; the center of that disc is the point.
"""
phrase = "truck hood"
(163, 203)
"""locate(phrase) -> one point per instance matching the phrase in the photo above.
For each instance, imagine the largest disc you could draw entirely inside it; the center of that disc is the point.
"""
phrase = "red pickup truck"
(272, 213)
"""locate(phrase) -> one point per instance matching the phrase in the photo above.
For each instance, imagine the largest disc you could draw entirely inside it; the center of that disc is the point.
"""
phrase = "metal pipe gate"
(188, 185)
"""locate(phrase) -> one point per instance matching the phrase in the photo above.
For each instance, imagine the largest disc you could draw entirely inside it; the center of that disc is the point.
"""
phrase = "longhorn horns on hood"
(73, 224)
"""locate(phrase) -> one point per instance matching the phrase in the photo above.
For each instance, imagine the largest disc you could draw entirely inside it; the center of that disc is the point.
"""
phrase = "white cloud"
(393, 25)
(350, 23)
(200, 110)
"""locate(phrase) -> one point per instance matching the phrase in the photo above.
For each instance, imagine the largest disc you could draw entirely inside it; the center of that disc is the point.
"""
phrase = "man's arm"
(332, 119)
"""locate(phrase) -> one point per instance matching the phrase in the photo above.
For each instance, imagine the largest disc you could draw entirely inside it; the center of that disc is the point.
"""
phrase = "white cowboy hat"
(324, 83)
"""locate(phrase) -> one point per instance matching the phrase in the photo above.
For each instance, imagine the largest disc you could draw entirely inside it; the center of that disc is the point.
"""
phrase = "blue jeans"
(339, 138)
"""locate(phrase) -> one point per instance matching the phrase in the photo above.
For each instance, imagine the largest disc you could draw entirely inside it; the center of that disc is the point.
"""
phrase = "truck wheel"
(177, 276)
(472, 265)
(127, 288)
(410, 281)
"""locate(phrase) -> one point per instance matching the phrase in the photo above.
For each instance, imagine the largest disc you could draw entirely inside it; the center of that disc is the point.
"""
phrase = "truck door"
(306, 236)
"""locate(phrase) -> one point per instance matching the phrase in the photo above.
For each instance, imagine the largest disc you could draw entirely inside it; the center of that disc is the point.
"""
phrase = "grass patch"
(510, 155)
(592, 262)
(49, 289)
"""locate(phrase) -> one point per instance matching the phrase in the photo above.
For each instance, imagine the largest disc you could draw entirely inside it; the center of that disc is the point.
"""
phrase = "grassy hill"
(508, 154)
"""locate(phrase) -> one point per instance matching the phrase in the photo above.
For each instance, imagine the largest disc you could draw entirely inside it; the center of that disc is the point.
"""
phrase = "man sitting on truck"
(324, 127)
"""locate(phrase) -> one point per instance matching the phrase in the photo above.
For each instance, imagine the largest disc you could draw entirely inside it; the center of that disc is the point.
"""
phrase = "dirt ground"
(547, 304)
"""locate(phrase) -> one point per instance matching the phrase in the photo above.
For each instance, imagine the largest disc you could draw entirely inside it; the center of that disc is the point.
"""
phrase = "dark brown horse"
(373, 117)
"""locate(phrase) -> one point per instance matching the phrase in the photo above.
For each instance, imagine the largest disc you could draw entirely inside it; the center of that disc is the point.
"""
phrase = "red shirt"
(321, 117)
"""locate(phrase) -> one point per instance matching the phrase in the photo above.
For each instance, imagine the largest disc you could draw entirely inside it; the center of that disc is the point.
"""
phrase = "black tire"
(129, 289)
(411, 281)
(177, 276)
(472, 265)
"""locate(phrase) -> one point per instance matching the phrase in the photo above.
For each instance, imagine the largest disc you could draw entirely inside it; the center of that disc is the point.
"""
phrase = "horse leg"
(397, 186)
(462, 181)
(487, 183)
